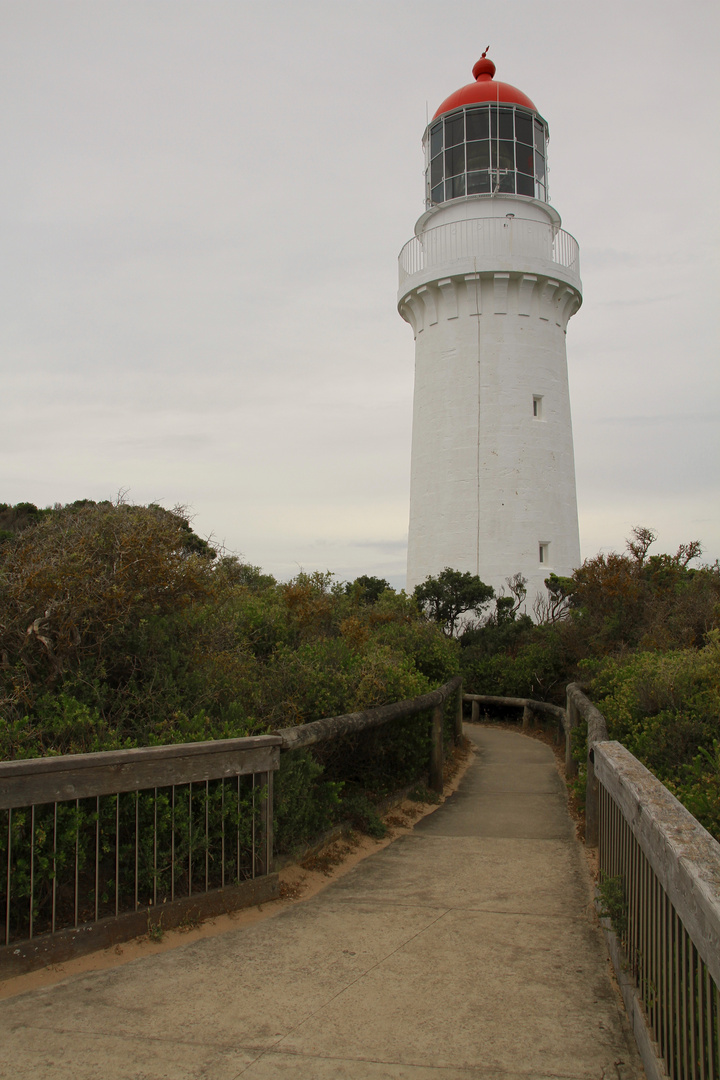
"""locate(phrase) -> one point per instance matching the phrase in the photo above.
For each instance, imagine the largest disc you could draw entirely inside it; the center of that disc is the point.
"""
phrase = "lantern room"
(486, 139)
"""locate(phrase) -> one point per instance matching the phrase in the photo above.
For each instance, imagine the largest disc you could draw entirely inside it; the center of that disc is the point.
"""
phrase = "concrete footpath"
(465, 950)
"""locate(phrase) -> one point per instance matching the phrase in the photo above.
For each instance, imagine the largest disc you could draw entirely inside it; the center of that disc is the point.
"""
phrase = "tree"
(367, 589)
(451, 594)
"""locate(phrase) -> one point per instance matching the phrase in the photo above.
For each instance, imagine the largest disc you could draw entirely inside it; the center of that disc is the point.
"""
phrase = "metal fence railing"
(99, 848)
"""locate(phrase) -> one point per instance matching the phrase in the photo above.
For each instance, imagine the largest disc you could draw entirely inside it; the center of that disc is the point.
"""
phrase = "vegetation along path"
(465, 949)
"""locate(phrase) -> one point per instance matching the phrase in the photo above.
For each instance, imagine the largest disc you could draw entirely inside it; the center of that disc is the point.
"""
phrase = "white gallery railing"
(486, 239)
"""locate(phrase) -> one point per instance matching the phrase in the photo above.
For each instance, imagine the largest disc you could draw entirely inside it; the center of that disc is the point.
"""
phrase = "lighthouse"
(488, 284)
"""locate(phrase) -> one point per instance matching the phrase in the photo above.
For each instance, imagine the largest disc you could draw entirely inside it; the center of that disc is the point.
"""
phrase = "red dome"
(485, 89)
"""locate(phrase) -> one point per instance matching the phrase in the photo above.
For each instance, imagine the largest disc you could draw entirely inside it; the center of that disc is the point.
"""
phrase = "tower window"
(537, 409)
(544, 552)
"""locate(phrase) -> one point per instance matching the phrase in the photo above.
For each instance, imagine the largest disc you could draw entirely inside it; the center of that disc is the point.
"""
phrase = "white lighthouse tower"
(488, 284)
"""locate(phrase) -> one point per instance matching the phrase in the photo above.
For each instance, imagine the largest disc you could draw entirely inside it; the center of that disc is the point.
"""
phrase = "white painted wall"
(489, 305)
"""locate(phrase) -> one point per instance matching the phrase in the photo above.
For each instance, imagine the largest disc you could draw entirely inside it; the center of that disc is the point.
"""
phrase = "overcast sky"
(202, 205)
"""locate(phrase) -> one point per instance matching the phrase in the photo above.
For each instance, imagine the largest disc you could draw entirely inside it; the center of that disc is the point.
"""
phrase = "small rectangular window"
(436, 140)
(537, 406)
(544, 552)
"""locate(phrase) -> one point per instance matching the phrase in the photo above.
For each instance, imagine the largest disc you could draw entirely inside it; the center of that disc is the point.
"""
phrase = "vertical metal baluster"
(77, 857)
(692, 968)
(664, 967)
(155, 851)
(117, 853)
(9, 875)
(137, 844)
(712, 1063)
(253, 825)
(97, 856)
(714, 1010)
(237, 834)
(207, 833)
(676, 989)
(655, 955)
(190, 839)
(54, 883)
(32, 869)
(172, 845)
(683, 990)
(222, 834)
(644, 918)
(702, 1035)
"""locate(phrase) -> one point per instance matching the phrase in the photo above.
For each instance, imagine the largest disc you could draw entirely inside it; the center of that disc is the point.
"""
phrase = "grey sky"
(202, 206)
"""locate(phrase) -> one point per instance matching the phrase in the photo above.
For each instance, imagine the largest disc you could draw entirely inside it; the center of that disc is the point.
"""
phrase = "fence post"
(264, 850)
(592, 807)
(436, 750)
(459, 716)
(475, 712)
(528, 715)
(571, 720)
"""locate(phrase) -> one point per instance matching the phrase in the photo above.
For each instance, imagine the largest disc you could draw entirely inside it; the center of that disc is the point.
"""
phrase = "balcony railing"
(487, 240)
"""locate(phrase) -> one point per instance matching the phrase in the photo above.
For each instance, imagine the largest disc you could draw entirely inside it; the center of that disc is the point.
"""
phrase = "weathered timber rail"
(660, 890)
(99, 848)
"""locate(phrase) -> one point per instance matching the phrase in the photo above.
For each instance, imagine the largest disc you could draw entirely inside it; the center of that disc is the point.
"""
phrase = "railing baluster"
(32, 870)
(8, 878)
(190, 838)
(97, 856)
(254, 816)
(222, 833)
(207, 833)
(54, 869)
(155, 866)
(172, 846)
(117, 853)
(137, 844)
(77, 859)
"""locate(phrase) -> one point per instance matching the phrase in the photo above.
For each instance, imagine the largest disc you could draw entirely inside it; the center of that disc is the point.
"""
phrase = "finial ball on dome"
(485, 67)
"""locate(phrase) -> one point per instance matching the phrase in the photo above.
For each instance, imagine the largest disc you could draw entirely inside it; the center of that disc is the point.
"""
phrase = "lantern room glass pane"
(458, 187)
(507, 183)
(524, 158)
(503, 118)
(478, 183)
(436, 171)
(477, 124)
(478, 155)
(437, 194)
(455, 130)
(525, 185)
(455, 161)
(539, 137)
(540, 166)
(503, 153)
(523, 128)
(436, 140)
